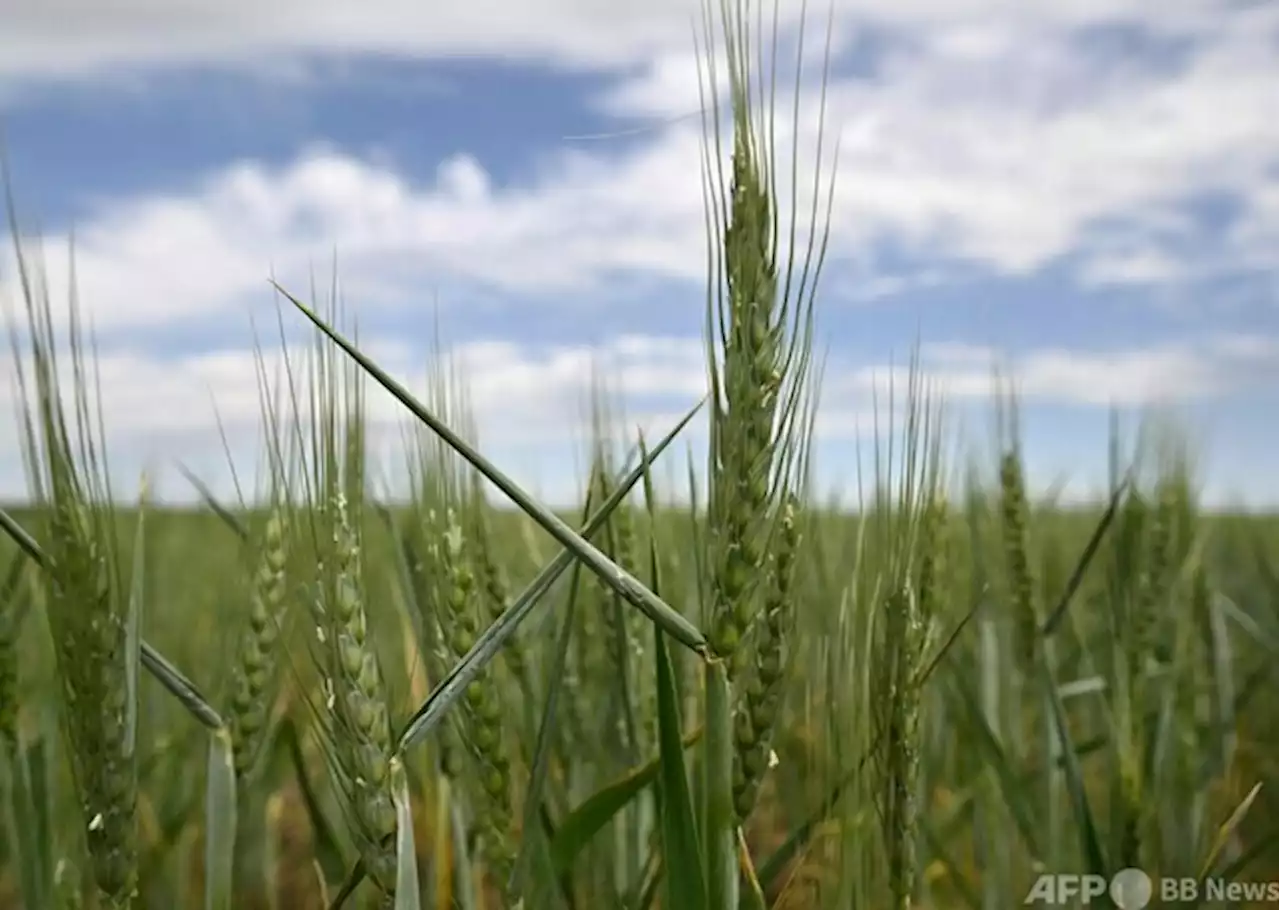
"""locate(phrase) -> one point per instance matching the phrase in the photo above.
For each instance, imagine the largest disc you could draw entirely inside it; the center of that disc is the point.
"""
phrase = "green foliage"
(921, 698)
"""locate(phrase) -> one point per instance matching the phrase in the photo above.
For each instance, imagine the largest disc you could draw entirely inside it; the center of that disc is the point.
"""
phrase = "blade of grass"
(1090, 838)
(408, 892)
(349, 885)
(752, 894)
(220, 822)
(1227, 829)
(684, 874)
(1059, 612)
(24, 815)
(133, 625)
(450, 689)
(206, 495)
(585, 821)
(546, 731)
(611, 574)
(719, 826)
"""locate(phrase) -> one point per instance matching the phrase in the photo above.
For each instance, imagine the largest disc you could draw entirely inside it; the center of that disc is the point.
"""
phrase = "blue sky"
(1084, 194)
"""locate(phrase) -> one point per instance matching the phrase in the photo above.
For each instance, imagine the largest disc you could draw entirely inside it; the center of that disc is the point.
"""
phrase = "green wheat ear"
(465, 593)
(92, 611)
(256, 668)
(759, 710)
(480, 727)
(759, 326)
(352, 719)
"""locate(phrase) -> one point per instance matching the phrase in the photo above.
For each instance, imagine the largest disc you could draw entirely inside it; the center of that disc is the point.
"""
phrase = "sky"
(1079, 195)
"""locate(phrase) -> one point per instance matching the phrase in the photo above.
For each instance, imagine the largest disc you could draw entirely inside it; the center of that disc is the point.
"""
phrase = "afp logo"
(1128, 889)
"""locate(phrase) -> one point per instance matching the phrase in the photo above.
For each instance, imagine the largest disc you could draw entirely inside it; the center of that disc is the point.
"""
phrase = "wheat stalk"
(89, 608)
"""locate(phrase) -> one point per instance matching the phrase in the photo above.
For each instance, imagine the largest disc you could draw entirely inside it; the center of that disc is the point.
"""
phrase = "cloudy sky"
(1081, 193)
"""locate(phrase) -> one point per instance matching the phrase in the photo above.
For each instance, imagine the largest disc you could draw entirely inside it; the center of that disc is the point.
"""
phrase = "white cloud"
(1166, 374)
(74, 37)
(1136, 378)
(1005, 146)
(1017, 156)
(1137, 265)
(1008, 146)
(531, 402)
(161, 259)
(1252, 239)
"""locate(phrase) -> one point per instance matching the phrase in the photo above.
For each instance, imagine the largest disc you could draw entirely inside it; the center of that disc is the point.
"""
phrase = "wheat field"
(734, 694)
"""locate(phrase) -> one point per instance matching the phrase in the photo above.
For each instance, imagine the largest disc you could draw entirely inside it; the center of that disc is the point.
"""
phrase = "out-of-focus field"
(992, 812)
